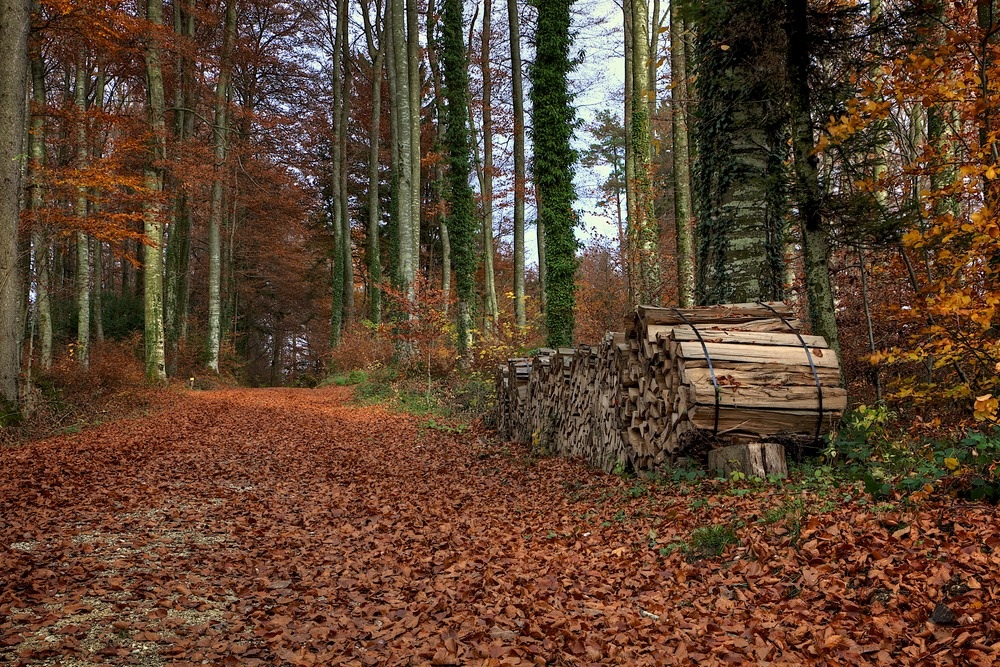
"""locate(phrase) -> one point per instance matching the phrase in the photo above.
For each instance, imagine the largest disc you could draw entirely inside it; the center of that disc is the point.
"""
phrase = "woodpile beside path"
(678, 382)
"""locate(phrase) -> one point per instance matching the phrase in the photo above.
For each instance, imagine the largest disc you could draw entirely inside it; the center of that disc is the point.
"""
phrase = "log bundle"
(676, 382)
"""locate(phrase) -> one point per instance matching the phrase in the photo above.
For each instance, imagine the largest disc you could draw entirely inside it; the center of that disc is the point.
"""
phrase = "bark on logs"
(675, 383)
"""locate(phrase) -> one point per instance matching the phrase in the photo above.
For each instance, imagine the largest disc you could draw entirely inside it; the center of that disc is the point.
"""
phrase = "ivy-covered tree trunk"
(517, 91)
(14, 18)
(461, 224)
(815, 235)
(741, 149)
(439, 186)
(553, 120)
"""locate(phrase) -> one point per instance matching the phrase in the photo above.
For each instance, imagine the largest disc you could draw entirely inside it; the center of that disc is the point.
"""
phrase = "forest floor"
(273, 527)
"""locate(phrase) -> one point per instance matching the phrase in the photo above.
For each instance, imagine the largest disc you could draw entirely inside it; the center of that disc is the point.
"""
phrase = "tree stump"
(756, 459)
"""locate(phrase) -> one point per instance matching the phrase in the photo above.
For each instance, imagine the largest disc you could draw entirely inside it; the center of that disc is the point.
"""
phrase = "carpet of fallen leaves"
(290, 527)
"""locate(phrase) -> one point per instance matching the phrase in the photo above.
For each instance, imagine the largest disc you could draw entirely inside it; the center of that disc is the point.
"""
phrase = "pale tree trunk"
(413, 70)
(220, 129)
(14, 17)
(404, 150)
(372, 251)
(681, 157)
(643, 228)
(517, 87)
(439, 178)
(152, 210)
(492, 307)
(815, 235)
(82, 240)
(40, 241)
(345, 216)
(97, 300)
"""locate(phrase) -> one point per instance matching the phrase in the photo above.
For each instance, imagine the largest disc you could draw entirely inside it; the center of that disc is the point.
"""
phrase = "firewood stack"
(677, 382)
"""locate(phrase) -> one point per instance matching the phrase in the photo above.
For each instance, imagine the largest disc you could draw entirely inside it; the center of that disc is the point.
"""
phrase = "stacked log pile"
(677, 382)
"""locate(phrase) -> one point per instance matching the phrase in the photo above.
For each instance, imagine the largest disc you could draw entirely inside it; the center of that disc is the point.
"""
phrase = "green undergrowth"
(448, 403)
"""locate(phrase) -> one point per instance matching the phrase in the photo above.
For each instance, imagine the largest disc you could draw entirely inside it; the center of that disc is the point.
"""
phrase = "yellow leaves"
(985, 408)
(951, 464)
(991, 173)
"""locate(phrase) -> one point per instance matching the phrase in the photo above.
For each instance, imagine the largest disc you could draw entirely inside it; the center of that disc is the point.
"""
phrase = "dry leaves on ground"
(289, 527)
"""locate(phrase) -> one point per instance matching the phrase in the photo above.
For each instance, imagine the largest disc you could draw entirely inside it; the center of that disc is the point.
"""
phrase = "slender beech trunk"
(40, 241)
(82, 240)
(97, 299)
(630, 216)
(681, 157)
(14, 28)
(345, 216)
(220, 129)
(643, 228)
(815, 235)
(372, 252)
(336, 182)
(492, 307)
(415, 91)
(152, 210)
(517, 86)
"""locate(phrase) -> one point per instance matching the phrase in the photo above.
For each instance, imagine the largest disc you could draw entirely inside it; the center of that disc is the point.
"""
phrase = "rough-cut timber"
(756, 459)
(677, 382)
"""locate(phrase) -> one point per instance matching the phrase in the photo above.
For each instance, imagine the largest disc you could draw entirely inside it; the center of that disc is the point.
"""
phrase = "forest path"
(267, 527)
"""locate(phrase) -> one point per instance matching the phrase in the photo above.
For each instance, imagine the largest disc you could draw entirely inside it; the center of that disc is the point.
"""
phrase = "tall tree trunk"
(415, 91)
(82, 240)
(460, 221)
(987, 19)
(492, 306)
(152, 211)
(644, 230)
(631, 259)
(373, 257)
(14, 28)
(815, 235)
(220, 130)
(178, 280)
(517, 92)
(553, 119)
(404, 150)
(440, 185)
(41, 242)
(681, 157)
(740, 176)
(336, 182)
(97, 300)
(345, 215)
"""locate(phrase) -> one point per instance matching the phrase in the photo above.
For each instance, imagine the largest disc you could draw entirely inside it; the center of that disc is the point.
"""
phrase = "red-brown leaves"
(281, 527)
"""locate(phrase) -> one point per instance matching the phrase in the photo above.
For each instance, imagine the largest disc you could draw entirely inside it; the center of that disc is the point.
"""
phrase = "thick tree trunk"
(220, 130)
(14, 25)
(815, 235)
(440, 185)
(97, 300)
(152, 211)
(404, 150)
(681, 157)
(336, 182)
(415, 92)
(517, 86)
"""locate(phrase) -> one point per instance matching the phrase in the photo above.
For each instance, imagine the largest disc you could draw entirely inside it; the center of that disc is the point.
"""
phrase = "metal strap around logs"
(711, 369)
(812, 366)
